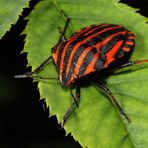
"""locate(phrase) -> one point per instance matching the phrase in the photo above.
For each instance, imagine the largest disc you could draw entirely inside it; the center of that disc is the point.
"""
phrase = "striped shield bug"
(88, 51)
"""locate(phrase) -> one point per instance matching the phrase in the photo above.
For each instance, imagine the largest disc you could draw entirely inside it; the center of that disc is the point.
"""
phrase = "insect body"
(91, 49)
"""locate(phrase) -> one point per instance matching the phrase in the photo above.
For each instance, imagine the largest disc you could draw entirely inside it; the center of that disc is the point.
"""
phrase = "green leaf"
(9, 13)
(95, 123)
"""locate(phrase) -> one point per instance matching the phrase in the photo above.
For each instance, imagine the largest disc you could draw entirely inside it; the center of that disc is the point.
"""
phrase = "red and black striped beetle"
(91, 49)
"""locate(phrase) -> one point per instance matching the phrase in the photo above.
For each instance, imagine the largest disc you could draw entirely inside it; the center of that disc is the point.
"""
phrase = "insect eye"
(53, 50)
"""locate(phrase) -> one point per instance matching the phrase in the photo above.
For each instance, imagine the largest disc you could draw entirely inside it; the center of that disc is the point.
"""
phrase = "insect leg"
(130, 63)
(104, 88)
(62, 33)
(74, 97)
(40, 68)
(37, 70)
(77, 97)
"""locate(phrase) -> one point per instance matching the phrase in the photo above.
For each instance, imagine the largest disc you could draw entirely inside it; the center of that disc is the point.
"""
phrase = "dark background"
(24, 122)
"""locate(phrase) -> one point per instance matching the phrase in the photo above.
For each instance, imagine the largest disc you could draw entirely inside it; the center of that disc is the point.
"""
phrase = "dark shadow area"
(24, 118)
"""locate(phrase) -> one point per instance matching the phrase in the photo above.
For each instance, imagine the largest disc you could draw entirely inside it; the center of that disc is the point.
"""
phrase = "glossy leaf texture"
(96, 122)
(9, 13)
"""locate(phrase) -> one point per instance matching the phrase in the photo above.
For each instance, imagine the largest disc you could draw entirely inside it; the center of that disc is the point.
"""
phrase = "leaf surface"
(9, 13)
(96, 122)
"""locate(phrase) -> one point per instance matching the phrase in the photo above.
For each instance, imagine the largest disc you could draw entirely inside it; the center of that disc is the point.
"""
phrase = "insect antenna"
(37, 70)
(30, 75)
